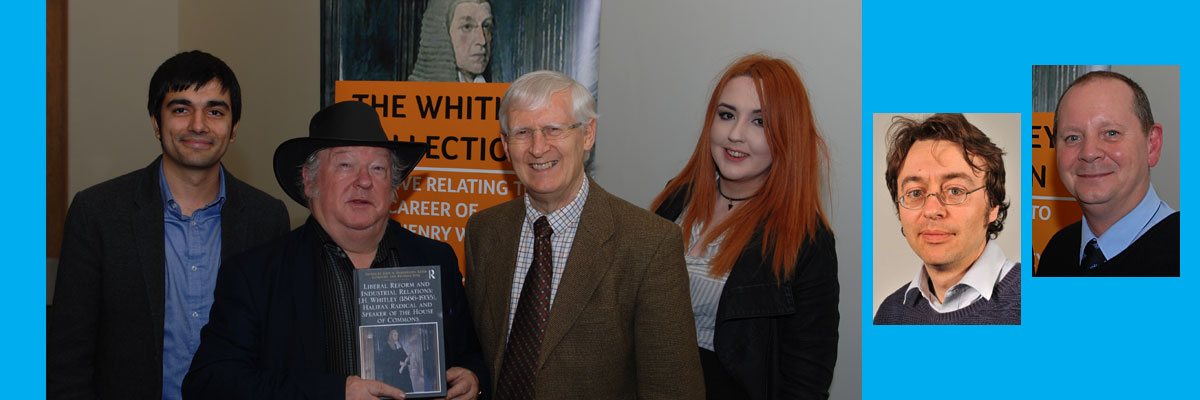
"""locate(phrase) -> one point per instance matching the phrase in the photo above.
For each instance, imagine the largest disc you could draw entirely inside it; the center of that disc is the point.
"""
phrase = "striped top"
(706, 290)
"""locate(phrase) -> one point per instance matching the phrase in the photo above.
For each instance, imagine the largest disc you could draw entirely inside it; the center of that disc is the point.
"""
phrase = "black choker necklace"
(731, 199)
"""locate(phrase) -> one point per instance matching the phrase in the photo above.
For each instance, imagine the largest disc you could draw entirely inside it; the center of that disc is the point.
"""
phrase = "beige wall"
(274, 47)
(113, 48)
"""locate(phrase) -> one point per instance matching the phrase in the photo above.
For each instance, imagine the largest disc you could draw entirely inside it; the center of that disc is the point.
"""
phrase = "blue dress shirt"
(1129, 228)
(193, 250)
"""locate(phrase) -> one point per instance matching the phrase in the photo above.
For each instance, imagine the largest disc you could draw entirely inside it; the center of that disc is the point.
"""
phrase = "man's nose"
(538, 143)
(479, 36)
(933, 207)
(196, 123)
(1089, 149)
(363, 178)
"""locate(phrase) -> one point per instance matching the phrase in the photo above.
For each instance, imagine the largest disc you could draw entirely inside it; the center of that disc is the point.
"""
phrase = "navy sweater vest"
(1156, 253)
(1003, 309)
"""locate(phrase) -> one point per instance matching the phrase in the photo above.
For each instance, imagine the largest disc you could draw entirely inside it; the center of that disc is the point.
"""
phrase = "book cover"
(400, 336)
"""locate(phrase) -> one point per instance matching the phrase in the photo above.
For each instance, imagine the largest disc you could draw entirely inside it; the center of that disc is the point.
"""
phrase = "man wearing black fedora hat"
(283, 322)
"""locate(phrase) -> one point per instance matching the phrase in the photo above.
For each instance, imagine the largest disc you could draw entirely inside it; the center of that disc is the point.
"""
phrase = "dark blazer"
(777, 339)
(105, 333)
(621, 324)
(265, 338)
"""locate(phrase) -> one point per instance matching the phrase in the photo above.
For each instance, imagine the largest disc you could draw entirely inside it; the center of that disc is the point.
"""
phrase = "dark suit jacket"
(778, 340)
(265, 338)
(105, 333)
(621, 324)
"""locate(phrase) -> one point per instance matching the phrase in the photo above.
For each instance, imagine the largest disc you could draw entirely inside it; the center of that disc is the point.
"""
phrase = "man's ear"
(504, 143)
(1154, 145)
(154, 123)
(304, 179)
(589, 135)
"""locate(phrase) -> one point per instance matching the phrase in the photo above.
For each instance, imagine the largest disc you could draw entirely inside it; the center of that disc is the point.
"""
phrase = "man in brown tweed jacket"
(619, 321)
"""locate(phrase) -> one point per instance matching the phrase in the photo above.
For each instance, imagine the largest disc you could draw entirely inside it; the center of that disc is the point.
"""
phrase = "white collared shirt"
(564, 222)
(978, 283)
(1129, 228)
(478, 78)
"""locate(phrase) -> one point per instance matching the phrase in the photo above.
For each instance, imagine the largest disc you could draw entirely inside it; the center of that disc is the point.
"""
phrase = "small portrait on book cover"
(404, 356)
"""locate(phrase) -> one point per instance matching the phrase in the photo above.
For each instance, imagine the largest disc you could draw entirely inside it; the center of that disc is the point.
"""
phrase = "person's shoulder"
(497, 212)
(275, 248)
(897, 296)
(117, 194)
(822, 236)
(1061, 252)
(630, 215)
(1163, 236)
(890, 306)
(1067, 234)
(248, 193)
(412, 240)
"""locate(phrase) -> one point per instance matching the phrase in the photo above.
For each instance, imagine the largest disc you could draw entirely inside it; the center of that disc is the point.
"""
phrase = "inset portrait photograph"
(947, 219)
(1106, 170)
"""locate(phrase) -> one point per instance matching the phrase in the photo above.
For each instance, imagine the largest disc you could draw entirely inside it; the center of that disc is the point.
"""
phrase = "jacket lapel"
(233, 240)
(584, 270)
(505, 237)
(147, 227)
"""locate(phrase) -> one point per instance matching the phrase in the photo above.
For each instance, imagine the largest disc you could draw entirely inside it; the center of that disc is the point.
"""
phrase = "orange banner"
(1053, 205)
(465, 170)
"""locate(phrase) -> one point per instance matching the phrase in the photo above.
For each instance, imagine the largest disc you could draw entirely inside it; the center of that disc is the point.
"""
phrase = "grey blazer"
(105, 328)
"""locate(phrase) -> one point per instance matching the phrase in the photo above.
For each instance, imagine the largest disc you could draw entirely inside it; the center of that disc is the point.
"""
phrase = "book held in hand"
(400, 338)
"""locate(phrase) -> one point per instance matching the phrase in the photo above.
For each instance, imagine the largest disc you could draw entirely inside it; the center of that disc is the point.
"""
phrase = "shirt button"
(195, 314)
(193, 223)
(193, 268)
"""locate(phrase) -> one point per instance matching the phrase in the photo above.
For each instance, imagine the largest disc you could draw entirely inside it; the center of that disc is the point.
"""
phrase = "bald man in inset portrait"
(1106, 141)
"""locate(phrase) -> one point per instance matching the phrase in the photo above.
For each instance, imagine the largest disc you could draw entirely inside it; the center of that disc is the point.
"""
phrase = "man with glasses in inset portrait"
(946, 179)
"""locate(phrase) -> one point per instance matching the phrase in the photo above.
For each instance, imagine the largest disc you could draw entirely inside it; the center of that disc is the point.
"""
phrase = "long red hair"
(787, 208)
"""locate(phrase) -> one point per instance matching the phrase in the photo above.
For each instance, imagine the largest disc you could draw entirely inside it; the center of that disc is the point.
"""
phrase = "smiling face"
(550, 169)
(1104, 157)
(471, 36)
(352, 189)
(739, 142)
(196, 127)
(946, 237)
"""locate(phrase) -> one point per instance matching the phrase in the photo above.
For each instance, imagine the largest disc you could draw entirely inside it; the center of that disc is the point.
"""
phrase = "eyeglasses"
(950, 195)
(550, 132)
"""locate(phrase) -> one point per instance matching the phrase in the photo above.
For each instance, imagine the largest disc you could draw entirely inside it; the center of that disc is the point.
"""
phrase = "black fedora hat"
(348, 123)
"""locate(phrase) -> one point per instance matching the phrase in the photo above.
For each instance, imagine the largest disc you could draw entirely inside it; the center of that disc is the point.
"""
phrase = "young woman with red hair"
(759, 250)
